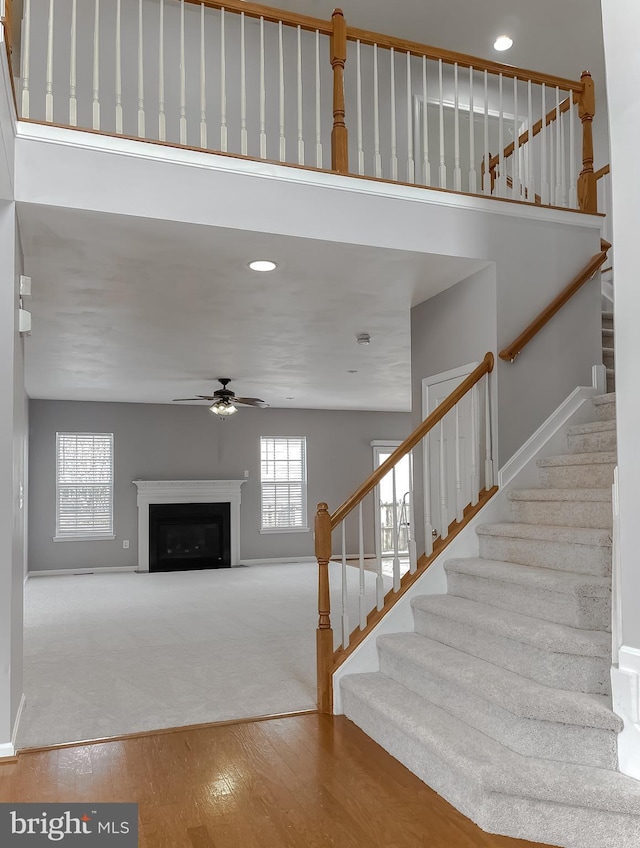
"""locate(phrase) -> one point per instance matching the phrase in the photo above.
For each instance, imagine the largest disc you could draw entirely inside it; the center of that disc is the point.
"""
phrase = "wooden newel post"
(324, 633)
(587, 184)
(339, 136)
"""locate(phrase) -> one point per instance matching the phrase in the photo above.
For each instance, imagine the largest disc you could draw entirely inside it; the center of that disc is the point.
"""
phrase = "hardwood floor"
(308, 781)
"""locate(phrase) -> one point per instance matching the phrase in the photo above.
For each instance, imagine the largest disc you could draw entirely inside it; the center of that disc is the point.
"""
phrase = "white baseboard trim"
(61, 572)
(277, 560)
(14, 736)
(625, 690)
(550, 427)
(7, 751)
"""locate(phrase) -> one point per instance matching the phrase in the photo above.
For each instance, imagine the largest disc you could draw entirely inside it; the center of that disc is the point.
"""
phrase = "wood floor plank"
(308, 781)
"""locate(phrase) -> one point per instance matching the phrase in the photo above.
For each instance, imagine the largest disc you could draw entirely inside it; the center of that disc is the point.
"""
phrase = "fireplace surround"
(188, 492)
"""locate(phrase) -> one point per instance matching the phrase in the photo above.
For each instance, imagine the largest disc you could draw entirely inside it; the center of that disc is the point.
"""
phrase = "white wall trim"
(21, 707)
(278, 560)
(65, 572)
(271, 171)
(625, 690)
(7, 751)
(186, 491)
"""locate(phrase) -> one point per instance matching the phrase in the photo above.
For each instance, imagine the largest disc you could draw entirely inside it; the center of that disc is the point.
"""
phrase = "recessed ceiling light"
(502, 42)
(262, 265)
(363, 338)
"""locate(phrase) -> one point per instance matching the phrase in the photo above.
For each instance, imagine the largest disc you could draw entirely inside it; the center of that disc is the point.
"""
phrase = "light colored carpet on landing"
(109, 654)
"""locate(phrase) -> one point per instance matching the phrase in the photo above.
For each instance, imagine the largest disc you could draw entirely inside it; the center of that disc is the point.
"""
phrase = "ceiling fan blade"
(198, 397)
(249, 401)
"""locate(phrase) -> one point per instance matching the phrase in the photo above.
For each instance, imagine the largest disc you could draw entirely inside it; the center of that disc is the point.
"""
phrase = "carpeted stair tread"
(390, 709)
(565, 582)
(594, 458)
(591, 427)
(506, 689)
(599, 400)
(546, 635)
(549, 494)
(548, 533)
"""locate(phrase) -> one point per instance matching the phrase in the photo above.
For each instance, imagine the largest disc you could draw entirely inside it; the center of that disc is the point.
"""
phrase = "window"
(283, 476)
(84, 485)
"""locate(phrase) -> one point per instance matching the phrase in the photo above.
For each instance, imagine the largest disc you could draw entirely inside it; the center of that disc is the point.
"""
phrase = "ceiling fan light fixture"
(223, 408)
(262, 265)
(503, 42)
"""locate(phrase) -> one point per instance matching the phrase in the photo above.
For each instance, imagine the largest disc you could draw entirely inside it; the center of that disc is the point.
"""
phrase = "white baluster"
(516, 191)
(162, 118)
(244, 138)
(283, 141)
(459, 503)
(394, 152)
(359, 110)
(119, 114)
(263, 97)
(223, 84)
(442, 171)
(475, 485)
(531, 183)
(318, 106)
(411, 165)
(558, 165)
(203, 82)
(48, 98)
(563, 161)
(379, 582)
(183, 80)
(300, 103)
(428, 524)
(502, 174)
(457, 173)
(362, 602)
(345, 593)
(96, 66)
(73, 57)
(426, 165)
(544, 168)
(473, 179)
(394, 514)
(141, 118)
(26, 51)
(377, 158)
(552, 165)
(488, 457)
(573, 198)
(444, 501)
(486, 179)
(413, 550)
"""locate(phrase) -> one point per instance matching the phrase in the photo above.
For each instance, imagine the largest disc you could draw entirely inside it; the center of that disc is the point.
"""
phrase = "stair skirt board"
(499, 698)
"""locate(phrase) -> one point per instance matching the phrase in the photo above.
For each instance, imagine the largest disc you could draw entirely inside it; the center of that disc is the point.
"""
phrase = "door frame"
(379, 446)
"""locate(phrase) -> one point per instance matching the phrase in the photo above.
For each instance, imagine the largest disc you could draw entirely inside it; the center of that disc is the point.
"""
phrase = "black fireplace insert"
(188, 536)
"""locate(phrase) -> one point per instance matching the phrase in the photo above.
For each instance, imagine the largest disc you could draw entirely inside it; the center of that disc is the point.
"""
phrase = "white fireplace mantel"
(186, 491)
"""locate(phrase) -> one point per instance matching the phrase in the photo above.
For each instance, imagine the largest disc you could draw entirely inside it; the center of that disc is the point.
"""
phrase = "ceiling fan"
(225, 402)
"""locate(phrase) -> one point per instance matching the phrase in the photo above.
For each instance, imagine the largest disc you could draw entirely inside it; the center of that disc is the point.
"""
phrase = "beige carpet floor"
(110, 654)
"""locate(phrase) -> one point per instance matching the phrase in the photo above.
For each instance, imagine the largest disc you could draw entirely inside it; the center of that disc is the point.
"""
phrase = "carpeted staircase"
(499, 699)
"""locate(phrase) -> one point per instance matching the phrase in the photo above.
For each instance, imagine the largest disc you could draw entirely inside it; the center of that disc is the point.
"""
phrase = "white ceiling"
(133, 309)
(137, 310)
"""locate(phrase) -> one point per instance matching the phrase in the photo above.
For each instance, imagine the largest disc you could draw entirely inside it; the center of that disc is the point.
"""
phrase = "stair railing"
(513, 350)
(456, 436)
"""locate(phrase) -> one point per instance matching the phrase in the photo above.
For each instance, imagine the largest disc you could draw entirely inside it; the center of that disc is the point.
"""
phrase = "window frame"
(304, 526)
(84, 537)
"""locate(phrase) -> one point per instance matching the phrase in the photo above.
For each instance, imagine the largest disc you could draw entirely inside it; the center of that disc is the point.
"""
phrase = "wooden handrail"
(269, 13)
(485, 367)
(602, 172)
(7, 23)
(464, 60)
(513, 350)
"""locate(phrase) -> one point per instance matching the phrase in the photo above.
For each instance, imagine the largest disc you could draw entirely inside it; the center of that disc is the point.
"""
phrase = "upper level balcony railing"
(251, 80)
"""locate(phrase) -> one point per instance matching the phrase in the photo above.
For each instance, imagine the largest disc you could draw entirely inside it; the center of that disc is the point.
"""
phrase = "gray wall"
(185, 442)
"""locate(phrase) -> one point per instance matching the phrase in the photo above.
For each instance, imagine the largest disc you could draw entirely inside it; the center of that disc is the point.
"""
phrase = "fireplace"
(198, 525)
(184, 536)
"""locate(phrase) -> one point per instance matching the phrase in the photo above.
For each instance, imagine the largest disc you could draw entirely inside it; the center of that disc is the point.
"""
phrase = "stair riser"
(519, 818)
(608, 357)
(577, 476)
(581, 612)
(585, 559)
(561, 671)
(604, 411)
(530, 737)
(592, 442)
(593, 514)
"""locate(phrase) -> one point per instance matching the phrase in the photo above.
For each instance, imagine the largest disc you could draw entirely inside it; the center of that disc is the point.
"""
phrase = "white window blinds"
(84, 485)
(283, 475)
